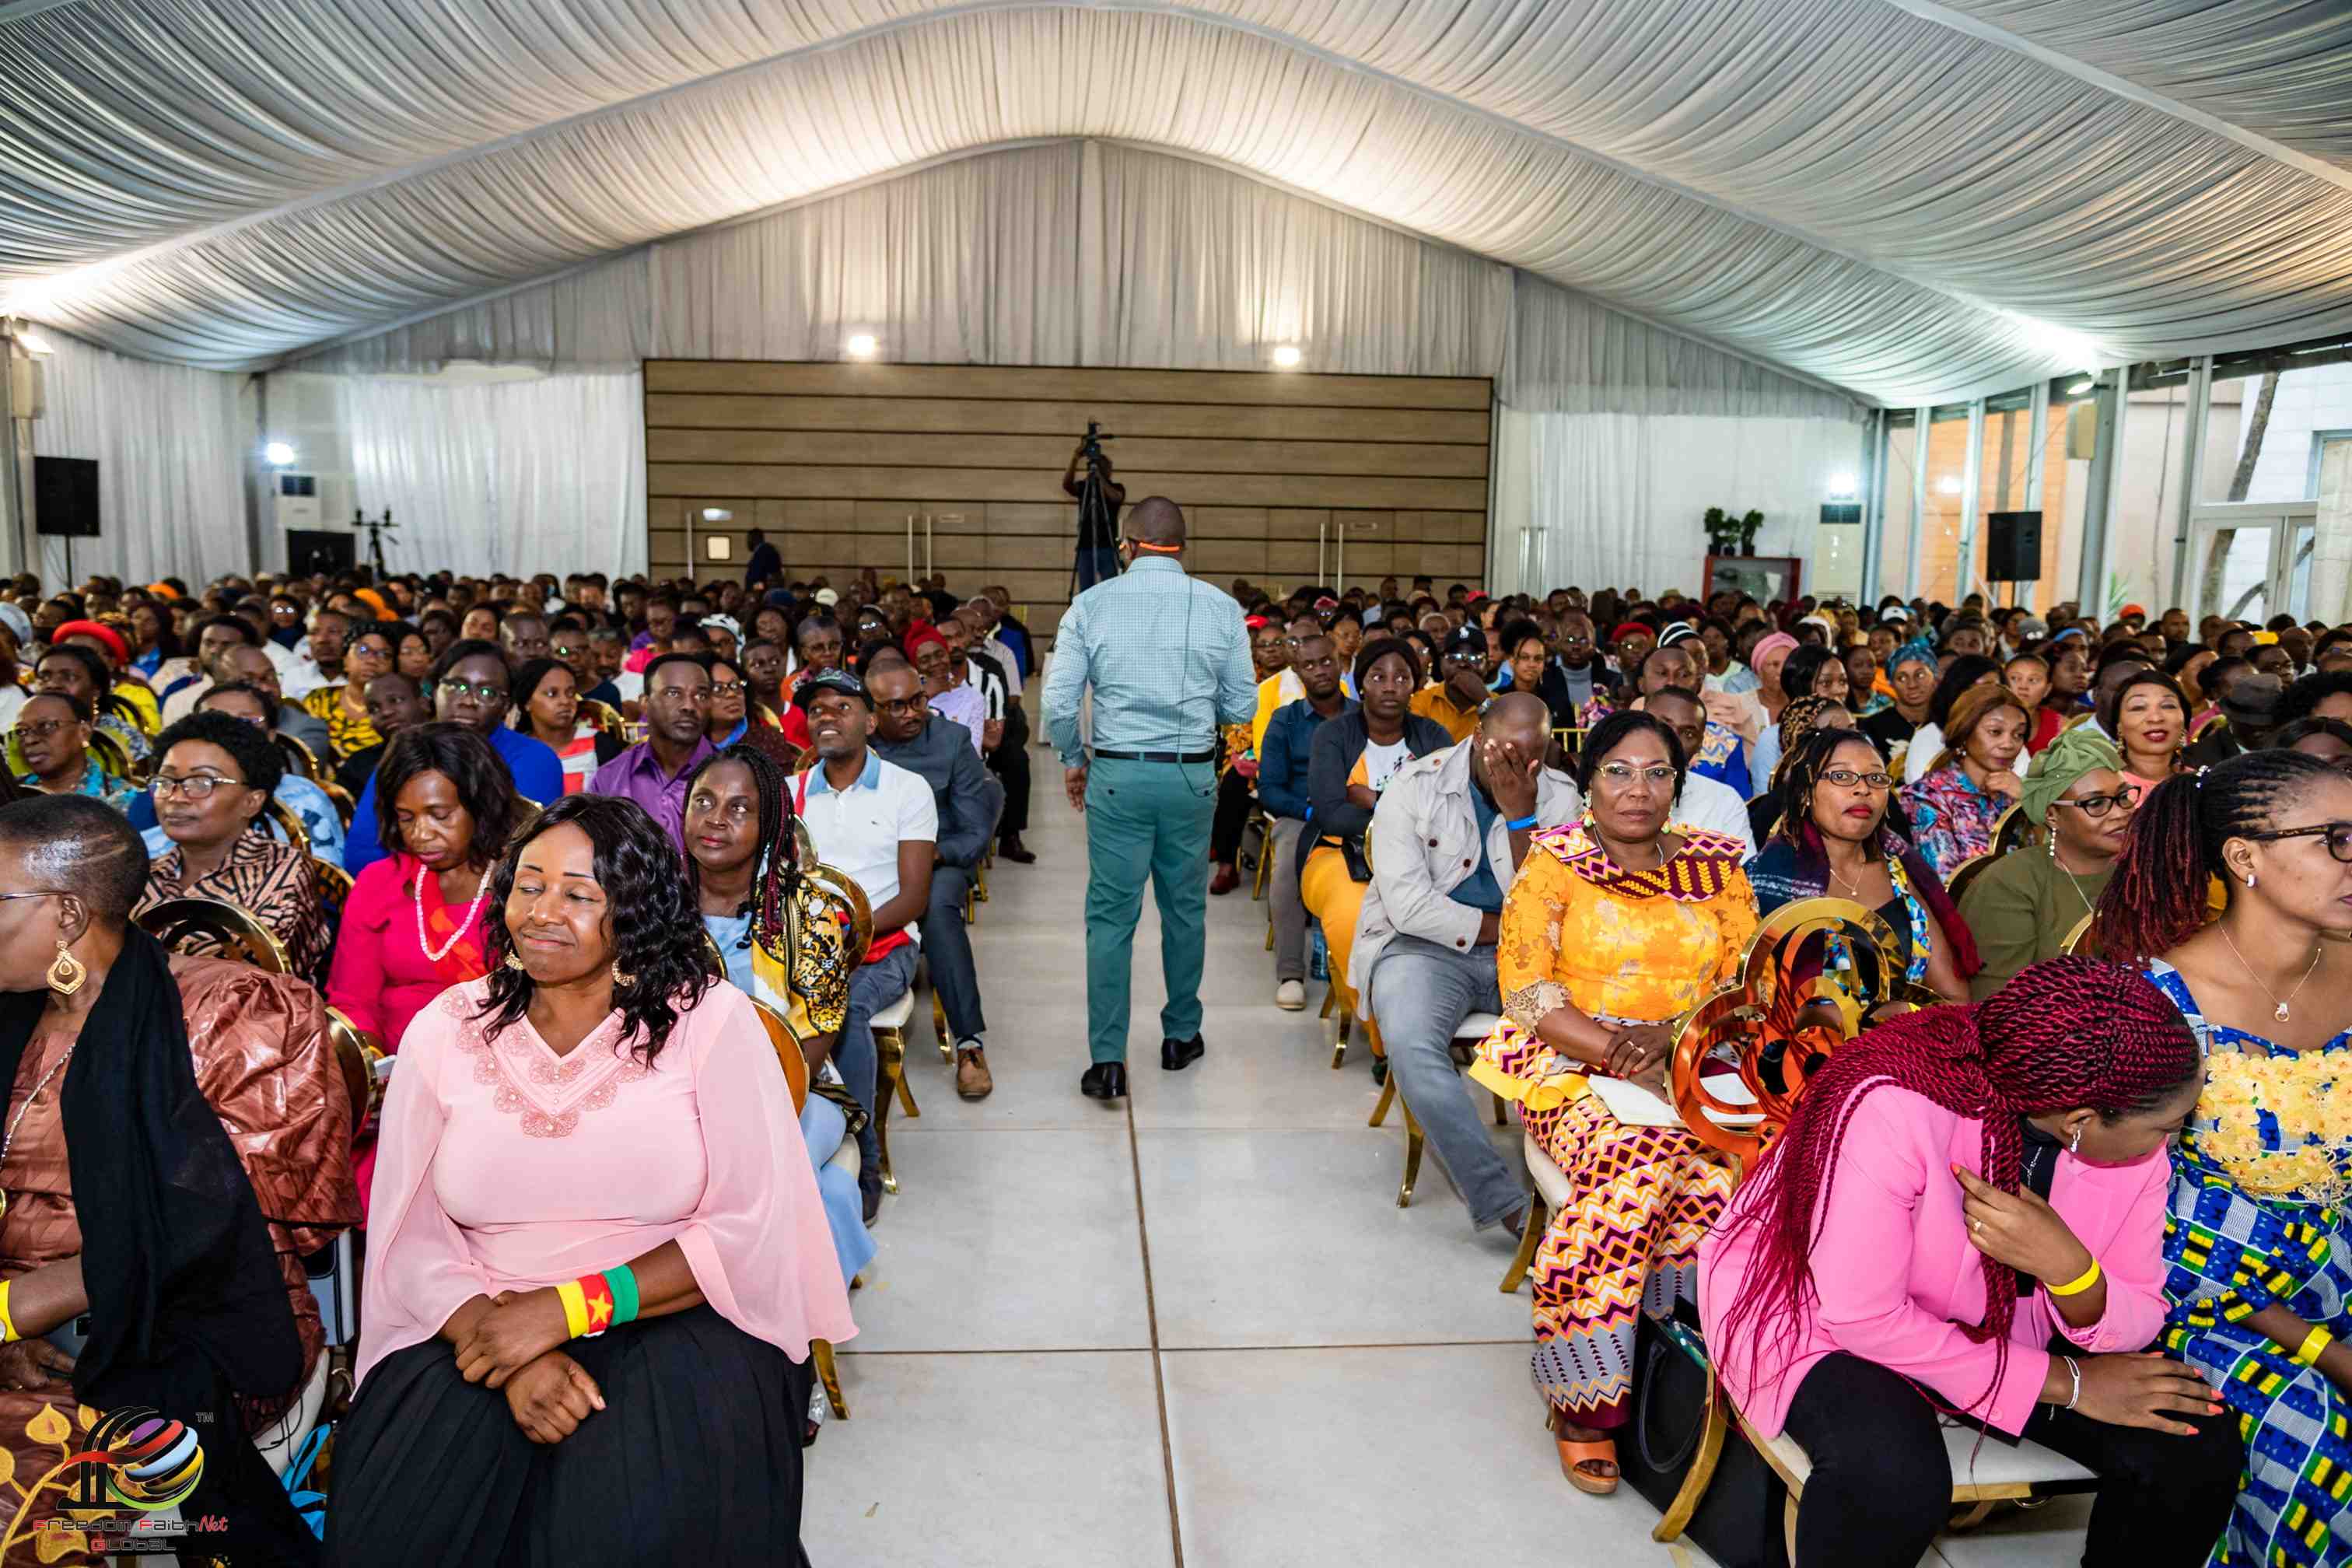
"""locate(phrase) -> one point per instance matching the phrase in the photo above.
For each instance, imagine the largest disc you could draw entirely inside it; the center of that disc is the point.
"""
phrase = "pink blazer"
(1900, 1285)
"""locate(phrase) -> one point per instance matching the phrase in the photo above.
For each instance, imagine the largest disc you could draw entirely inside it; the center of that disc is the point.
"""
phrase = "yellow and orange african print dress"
(1644, 947)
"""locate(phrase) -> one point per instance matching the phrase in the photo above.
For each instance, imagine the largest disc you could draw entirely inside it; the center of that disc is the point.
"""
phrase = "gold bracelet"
(2315, 1343)
(8, 1334)
(2080, 1283)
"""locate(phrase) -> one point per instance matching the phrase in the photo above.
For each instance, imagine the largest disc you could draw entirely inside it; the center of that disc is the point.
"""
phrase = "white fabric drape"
(1618, 499)
(1871, 197)
(170, 446)
(502, 476)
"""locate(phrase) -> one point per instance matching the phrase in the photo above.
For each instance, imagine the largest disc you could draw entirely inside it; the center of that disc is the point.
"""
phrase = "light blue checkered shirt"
(1167, 656)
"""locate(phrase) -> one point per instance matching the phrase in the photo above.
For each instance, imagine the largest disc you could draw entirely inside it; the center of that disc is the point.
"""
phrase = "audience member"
(342, 707)
(2021, 908)
(470, 687)
(2145, 714)
(1936, 1172)
(549, 712)
(655, 772)
(1614, 926)
(1955, 805)
(1453, 700)
(214, 776)
(394, 703)
(52, 736)
(965, 802)
(1283, 785)
(503, 1320)
(1705, 802)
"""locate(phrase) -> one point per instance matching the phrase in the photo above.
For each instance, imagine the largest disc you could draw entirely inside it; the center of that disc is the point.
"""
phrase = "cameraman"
(1097, 515)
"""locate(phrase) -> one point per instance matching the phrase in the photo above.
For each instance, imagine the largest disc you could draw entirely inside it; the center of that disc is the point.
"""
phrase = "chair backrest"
(279, 821)
(1968, 871)
(111, 757)
(789, 1054)
(340, 799)
(334, 884)
(359, 1055)
(603, 715)
(300, 758)
(1780, 1020)
(838, 885)
(2081, 939)
(233, 929)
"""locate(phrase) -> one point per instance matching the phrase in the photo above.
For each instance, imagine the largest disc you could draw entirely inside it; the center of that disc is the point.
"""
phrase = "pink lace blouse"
(503, 1166)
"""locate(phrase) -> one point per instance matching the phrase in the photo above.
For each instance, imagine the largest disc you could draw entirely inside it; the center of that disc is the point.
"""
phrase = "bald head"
(1156, 520)
(1519, 716)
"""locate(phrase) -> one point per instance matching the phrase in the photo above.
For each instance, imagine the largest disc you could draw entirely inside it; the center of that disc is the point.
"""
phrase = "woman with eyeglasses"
(2022, 907)
(52, 736)
(1837, 839)
(79, 671)
(1615, 926)
(2258, 1239)
(342, 707)
(547, 709)
(211, 786)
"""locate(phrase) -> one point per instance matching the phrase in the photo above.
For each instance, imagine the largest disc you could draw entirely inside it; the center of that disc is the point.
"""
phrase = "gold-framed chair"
(334, 884)
(340, 799)
(604, 716)
(795, 1061)
(277, 820)
(299, 757)
(2013, 830)
(889, 1025)
(231, 930)
(1465, 1047)
(2080, 939)
(1968, 871)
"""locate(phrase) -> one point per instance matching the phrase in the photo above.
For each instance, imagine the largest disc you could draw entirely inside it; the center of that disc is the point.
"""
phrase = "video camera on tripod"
(1091, 447)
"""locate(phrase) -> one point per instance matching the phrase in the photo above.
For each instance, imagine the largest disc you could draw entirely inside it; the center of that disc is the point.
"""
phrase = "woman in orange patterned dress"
(1623, 923)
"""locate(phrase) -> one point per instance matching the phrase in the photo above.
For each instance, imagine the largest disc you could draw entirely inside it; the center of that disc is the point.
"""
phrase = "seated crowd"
(2089, 1106)
(471, 915)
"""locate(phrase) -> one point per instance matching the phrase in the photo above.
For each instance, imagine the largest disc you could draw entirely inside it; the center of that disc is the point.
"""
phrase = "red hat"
(105, 634)
(917, 636)
(1632, 628)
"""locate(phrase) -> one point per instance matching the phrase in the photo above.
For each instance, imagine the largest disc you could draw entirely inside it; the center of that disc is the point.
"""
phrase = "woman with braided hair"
(785, 943)
(1958, 1190)
(2257, 1238)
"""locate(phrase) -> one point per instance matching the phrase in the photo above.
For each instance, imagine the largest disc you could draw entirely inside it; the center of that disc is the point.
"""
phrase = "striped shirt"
(1167, 658)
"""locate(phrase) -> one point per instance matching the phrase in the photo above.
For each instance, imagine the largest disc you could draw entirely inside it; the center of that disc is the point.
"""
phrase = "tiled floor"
(1195, 1330)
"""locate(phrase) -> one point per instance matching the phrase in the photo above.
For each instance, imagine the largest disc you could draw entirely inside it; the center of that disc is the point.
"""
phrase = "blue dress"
(2256, 1217)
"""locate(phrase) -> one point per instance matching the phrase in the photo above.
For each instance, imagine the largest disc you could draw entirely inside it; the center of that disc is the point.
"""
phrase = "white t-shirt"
(1713, 805)
(1381, 763)
(859, 830)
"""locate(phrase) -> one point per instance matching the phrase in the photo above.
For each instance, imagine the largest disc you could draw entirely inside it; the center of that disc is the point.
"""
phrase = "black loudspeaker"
(64, 497)
(332, 551)
(2012, 547)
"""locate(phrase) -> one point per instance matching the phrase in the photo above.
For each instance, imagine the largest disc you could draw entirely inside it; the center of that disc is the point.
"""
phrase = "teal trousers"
(1146, 819)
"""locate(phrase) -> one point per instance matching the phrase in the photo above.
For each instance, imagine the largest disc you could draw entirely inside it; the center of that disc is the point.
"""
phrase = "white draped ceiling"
(1907, 200)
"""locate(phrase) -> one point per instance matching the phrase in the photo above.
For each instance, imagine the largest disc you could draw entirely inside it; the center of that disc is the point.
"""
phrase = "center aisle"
(1195, 1329)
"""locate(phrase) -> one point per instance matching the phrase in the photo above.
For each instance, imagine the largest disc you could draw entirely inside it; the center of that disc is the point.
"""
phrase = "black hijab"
(186, 1303)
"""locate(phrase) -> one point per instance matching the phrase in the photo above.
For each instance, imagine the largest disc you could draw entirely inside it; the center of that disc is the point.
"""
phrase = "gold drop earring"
(66, 972)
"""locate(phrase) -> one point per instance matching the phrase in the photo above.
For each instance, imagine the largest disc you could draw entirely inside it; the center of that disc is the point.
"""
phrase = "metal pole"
(1921, 419)
(1873, 503)
(2102, 497)
(2037, 448)
(2192, 470)
(1964, 570)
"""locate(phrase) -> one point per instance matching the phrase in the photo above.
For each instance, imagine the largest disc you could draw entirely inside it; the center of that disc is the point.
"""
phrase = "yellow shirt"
(1431, 702)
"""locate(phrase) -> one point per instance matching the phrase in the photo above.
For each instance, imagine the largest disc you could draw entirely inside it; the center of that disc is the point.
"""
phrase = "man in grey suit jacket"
(1447, 841)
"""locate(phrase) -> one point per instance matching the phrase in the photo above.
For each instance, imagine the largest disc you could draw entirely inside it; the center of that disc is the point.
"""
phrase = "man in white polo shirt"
(875, 822)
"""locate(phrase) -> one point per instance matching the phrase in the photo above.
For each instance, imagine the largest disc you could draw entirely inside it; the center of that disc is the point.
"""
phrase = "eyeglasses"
(40, 728)
(2098, 805)
(2338, 835)
(728, 689)
(1846, 778)
(481, 691)
(1622, 773)
(1575, 642)
(196, 786)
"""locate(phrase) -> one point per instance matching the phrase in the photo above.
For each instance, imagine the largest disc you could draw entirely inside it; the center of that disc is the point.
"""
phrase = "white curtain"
(509, 476)
(170, 447)
(1613, 500)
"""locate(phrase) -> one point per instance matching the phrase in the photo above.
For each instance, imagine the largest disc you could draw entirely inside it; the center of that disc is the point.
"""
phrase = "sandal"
(1576, 1453)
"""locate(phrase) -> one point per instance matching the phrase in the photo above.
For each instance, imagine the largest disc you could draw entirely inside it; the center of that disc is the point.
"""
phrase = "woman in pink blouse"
(597, 1255)
(413, 924)
(1965, 1214)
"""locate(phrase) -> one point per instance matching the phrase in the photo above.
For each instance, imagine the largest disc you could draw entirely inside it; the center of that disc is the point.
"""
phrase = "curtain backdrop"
(1612, 500)
(511, 476)
(170, 446)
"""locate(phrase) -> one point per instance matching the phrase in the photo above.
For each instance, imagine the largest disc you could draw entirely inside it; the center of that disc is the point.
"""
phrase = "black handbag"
(1740, 1522)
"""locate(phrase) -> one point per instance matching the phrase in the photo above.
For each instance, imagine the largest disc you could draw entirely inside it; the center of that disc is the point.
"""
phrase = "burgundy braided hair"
(2063, 1033)
(2156, 899)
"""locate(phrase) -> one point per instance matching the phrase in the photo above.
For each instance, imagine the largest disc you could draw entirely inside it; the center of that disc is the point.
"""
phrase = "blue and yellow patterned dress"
(2257, 1218)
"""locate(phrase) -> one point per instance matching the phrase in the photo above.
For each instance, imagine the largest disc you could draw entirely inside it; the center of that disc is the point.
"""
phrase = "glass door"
(2250, 562)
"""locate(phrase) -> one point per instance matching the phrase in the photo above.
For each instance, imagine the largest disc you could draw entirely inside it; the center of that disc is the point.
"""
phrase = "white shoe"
(1290, 995)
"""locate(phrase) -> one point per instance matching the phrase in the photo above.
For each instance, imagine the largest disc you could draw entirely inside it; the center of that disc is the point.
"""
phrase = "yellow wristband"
(575, 1307)
(2080, 1283)
(8, 1334)
(2315, 1343)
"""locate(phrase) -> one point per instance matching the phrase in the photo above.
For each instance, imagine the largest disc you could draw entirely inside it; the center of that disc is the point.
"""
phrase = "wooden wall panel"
(837, 462)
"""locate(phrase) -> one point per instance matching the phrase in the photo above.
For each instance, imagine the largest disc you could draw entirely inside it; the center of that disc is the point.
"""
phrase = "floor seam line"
(1152, 1317)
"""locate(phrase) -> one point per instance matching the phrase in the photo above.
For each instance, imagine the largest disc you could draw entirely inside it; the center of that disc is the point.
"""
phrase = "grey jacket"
(1425, 841)
(968, 795)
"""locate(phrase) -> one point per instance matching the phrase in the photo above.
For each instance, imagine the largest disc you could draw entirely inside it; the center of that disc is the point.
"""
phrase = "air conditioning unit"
(295, 497)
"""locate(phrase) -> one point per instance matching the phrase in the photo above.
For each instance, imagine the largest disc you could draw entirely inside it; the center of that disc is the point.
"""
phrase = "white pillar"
(2331, 550)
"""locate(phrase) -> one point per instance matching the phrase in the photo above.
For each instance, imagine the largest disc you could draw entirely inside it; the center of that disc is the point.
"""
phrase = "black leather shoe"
(1013, 849)
(1104, 1080)
(1175, 1055)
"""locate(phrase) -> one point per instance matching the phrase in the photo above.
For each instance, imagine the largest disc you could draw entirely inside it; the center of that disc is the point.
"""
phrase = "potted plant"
(1730, 535)
(1749, 526)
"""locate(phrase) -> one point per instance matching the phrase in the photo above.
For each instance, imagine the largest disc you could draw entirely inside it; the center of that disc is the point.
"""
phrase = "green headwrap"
(2074, 753)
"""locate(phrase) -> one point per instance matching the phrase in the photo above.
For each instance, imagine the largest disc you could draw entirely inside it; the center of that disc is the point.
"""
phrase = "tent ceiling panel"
(1902, 207)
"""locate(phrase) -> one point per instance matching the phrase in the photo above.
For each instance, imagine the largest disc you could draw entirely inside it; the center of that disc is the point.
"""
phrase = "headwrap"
(115, 645)
(2074, 753)
(2066, 1033)
(162, 590)
(728, 624)
(2139, 610)
(1919, 650)
(1630, 628)
(919, 635)
(375, 601)
(1768, 646)
(17, 622)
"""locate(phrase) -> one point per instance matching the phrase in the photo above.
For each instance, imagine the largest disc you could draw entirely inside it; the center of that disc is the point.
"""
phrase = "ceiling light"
(1949, 485)
(32, 342)
(278, 455)
(1842, 487)
(862, 346)
(2077, 387)
(717, 514)
(2060, 343)
(1285, 355)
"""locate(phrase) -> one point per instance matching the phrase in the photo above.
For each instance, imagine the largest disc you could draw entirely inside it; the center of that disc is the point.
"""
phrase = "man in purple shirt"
(656, 771)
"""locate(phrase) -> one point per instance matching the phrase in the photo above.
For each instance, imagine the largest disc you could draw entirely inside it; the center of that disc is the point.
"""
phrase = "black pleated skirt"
(694, 1458)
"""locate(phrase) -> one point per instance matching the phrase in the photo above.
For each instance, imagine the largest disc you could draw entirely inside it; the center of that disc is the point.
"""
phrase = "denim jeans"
(1420, 992)
(1282, 891)
(872, 988)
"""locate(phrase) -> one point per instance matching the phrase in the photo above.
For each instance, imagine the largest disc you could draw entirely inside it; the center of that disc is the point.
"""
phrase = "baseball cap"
(839, 680)
(827, 597)
(1466, 637)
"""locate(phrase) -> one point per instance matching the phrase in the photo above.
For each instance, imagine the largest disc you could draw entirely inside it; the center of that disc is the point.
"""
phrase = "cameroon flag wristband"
(8, 1334)
(595, 1302)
